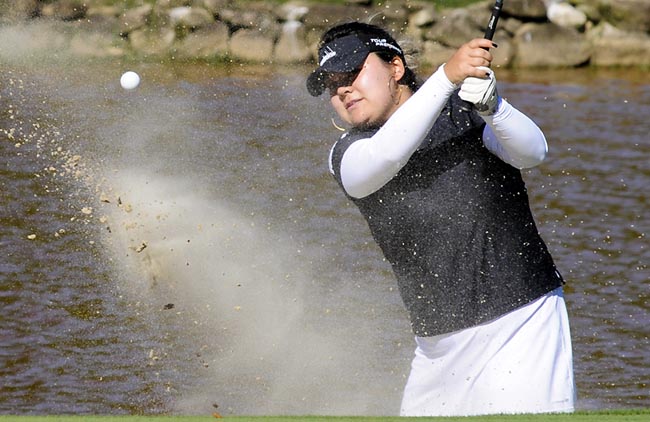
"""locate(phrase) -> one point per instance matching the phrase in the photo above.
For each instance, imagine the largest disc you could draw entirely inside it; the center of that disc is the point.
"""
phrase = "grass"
(633, 415)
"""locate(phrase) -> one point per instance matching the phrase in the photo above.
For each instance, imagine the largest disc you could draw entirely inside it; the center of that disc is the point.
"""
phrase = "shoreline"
(265, 32)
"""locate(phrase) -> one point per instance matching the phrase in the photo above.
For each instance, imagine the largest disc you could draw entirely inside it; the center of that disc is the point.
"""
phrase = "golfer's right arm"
(369, 163)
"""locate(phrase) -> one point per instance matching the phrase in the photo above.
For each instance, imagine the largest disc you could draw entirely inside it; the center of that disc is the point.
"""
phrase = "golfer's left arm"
(514, 137)
(509, 134)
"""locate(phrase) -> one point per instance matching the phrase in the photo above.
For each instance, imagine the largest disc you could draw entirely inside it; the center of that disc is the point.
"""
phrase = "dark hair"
(409, 79)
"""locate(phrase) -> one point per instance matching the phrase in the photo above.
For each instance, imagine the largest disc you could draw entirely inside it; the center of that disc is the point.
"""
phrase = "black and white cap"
(347, 54)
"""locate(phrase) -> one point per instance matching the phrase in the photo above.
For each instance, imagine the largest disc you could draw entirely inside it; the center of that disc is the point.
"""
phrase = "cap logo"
(381, 42)
(328, 54)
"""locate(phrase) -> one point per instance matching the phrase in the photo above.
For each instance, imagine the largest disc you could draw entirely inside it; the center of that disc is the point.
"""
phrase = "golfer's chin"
(369, 124)
(364, 122)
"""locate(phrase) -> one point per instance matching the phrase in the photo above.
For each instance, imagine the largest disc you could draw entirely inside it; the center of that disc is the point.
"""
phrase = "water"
(182, 246)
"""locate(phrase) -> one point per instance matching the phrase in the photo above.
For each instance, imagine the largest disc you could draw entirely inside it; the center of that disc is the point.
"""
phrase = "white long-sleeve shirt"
(370, 163)
(444, 199)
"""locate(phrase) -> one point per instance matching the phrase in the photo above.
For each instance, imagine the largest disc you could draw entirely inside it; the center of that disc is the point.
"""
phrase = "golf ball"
(130, 80)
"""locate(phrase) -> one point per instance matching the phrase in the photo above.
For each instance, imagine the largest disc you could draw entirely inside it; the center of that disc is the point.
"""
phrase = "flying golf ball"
(130, 80)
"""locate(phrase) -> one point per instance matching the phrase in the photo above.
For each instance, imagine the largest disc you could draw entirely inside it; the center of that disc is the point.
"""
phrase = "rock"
(564, 14)
(135, 18)
(324, 15)
(591, 10)
(213, 6)
(435, 53)
(481, 13)
(391, 15)
(505, 52)
(245, 18)
(210, 41)
(152, 41)
(105, 22)
(291, 12)
(628, 15)
(614, 47)
(190, 17)
(251, 45)
(629, 51)
(423, 17)
(549, 45)
(510, 25)
(18, 10)
(69, 10)
(525, 9)
(454, 28)
(168, 4)
(95, 45)
(238, 19)
(104, 11)
(611, 32)
(291, 46)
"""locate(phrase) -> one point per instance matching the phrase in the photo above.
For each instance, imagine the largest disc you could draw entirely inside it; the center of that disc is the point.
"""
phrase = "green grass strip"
(633, 415)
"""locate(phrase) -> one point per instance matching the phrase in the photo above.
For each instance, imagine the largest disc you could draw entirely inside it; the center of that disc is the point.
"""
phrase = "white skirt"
(519, 363)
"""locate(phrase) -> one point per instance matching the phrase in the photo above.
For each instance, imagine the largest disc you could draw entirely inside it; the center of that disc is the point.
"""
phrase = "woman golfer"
(440, 187)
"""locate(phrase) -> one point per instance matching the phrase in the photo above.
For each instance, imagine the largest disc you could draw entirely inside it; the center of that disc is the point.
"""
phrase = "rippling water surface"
(181, 247)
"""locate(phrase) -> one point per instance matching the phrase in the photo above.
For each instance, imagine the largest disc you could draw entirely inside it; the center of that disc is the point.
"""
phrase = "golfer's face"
(364, 98)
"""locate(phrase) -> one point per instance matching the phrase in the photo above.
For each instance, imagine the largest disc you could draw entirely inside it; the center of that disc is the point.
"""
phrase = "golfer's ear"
(398, 68)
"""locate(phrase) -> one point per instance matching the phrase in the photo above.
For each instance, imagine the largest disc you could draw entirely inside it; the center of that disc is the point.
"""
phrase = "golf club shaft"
(489, 33)
(494, 18)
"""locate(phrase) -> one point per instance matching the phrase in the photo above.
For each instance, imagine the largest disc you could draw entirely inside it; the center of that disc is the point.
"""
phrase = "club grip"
(492, 24)
(489, 33)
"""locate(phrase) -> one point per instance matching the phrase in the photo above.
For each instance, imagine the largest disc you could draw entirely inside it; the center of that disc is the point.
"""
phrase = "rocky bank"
(615, 33)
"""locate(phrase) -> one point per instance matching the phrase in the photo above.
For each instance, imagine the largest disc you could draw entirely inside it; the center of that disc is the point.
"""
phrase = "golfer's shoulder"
(346, 139)
(351, 136)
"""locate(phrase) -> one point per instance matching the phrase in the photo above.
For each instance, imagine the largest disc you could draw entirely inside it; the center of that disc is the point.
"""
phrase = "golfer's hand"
(470, 60)
(482, 92)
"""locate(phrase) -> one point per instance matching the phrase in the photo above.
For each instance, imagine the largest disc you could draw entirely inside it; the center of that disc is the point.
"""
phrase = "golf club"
(489, 34)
